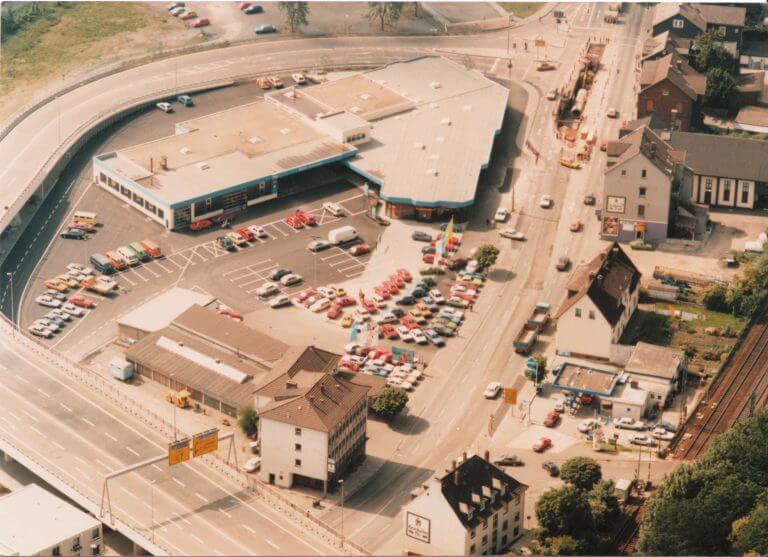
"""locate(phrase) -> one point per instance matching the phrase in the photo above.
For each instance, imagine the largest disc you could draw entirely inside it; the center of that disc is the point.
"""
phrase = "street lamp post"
(341, 483)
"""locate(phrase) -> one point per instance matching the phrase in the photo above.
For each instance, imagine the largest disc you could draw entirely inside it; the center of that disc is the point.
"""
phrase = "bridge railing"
(102, 386)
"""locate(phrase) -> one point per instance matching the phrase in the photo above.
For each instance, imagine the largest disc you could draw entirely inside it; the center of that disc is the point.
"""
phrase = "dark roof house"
(723, 156)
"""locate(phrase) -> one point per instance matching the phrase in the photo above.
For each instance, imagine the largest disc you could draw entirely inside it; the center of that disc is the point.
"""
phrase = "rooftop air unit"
(435, 85)
(186, 150)
(432, 172)
(355, 110)
(254, 139)
(419, 146)
(285, 131)
(434, 105)
(446, 121)
(365, 96)
(203, 166)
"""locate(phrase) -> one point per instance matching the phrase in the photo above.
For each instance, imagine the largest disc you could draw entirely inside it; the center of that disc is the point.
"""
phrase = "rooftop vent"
(419, 146)
(467, 108)
(203, 166)
(365, 96)
(446, 121)
(435, 85)
(355, 110)
(434, 105)
(254, 139)
(439, 139)
(186, 150)
(285, 131)
(432, 172)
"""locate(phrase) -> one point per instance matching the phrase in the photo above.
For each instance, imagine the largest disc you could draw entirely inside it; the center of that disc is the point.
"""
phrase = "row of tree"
(578, 518)
(15, 17)
(717, 505)
(747, 295)
(386, 14)
(717, 63)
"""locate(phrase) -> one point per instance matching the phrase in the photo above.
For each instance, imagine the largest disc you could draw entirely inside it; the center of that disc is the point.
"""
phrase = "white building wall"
(279, 452)
(447, 535)
(582, 335)
(83, 541)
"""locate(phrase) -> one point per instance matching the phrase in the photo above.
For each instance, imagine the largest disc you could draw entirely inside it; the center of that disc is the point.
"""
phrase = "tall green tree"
(750, 533)
(390, 402)
(295, 14)
(582, 472)
(386, 13)
(720, 84)
(564, 511)
(486, 255)
(604, 505)
(711, 54)
(248, 420)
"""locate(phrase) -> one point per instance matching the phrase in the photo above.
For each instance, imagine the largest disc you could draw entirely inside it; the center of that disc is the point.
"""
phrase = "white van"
(129, 255)
(342, 235)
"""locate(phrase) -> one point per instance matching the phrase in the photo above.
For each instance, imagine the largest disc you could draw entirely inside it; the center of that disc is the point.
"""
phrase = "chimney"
(487, 455)
(453, 464)
(464, 454)
(456, 477)
(164, 162)
(151, 164)
(290, 385)
(679, 64)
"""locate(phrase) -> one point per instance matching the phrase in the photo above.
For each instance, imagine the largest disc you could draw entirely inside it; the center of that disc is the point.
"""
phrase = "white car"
(177, 11)
(48, 301)
(612, 113)
(512, 234)
(165, 107)
(587, 425)
(628, 423)
(252, 464)
(77, 275)
(663, 434)
(502, 214)
(546, 201)
(81, 268)
(437, 296)
(379, 301)
(58, 313)
(642, 439)
(299, 78)
(257, 231)
(551, 94)
(55, 295)
(280, 301)
(39, 331)
(404, 333)
(472, 266)
(333, 208)
(291, 278)
(47, 324)
(73, 310)
(418, 336)
(320, 305)
(492, 390)
(351, 347)
(107, 282)
(318, 245)
(267, 289)
(327, 292)
(457, 302)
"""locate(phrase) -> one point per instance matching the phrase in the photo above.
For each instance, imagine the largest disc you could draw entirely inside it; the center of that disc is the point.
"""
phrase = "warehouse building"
(419, 131)
(159, 312)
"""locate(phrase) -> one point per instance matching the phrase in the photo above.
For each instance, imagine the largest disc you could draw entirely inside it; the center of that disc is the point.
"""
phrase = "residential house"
(312, 421)
(688, 21)
(637, 187)
(753, 119)
(726, 171)
(754, 55)
(728, 20)
(601, 296)
(34, 521)
(656, 369)
(474, 508)
(671, 90)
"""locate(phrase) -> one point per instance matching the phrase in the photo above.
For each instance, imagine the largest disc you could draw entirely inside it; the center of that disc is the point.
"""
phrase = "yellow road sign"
(178, 451)
(205, 442)
(510, 395)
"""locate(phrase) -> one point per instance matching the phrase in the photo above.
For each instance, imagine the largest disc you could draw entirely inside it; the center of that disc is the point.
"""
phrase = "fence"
(102, 386)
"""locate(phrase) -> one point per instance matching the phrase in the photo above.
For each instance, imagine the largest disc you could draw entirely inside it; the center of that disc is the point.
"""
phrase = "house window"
(95, 534)
(643, 173)
(495, 520)
(516, 531)
(472, 534)
(208, 204)
(578, 312)
(504, 540)
(591, 314)
(160, 213)
(76, 544)
(722, 30)
(726, 190)
(517, 517)
(745, 193)
(505, 525)
(679, 108)
(298, 447)
(643, 190)
(649, 105)
(297, 462)
(56, 551)
(125, 191)
(677, 23)
(623, 172)
(297, 431)
(665, 92)
(641, 210)
(138, 200)
(103, 178)
(485, 526)
(485, 539)
(472, 549)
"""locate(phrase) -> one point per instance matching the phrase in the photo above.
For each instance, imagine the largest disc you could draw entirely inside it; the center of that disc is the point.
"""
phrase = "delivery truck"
(342, 235)
(120, 368)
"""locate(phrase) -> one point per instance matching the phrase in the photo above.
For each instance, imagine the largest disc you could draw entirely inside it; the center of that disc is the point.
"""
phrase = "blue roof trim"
(609, 393)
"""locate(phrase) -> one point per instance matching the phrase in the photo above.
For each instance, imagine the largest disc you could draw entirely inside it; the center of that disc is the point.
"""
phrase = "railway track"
(742, 386)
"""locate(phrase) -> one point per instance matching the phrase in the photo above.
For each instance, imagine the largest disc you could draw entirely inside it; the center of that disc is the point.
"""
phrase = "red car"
(245, 5)
(552, 418)
(305, 218)
(405, 275)
(382, 291)
(388, 331)
(409, 322)
(231, 312)
(391, 288)
(370, 306)
(294, 221)
(398, 280)
(464, 296)
(428, 258)
(81, 301)
(202, 22)
(304, 294)
(346, 301)
(201, 225)
(245, 233)
(84, 226)
(360, 249)
(586, 400)
(377, 354)
(335, 312)
(542, 444)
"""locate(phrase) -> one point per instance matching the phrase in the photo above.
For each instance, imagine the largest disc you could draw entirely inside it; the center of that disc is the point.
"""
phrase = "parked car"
(264, 29)
(40, 331)
(406, 301)
(225, 243)
(48, 301)
(492, 390)
(420, 236)
(236, 239)
(562, 263)
(628, 423)
(546, 201)
(79, 225)
(587, 425)
(188, 15)
(280, 301)
(359, 249)
(81, 301)
(202, 22)
(545, 67)
(252, 464)
(642, 439)
(72, 310)
(291, 279)
(200, 225)
(404, 333)
(253, 9)
(299, 79)
(552, 418)
(434, 338)
(279, 273)
(575, 226)
(257, 231)
(318, 245)
(551, 94)
(551, 467)
(320, 305)
(542, 444)
(267, 289)
(332, 208)
(508, 460)
(502, 214)
(47, 324)
(589, 199)
(177, 11)
(512, 234)
(74, 234)
(663, 434)
(277, 83)
(612, 113)
(418, 336)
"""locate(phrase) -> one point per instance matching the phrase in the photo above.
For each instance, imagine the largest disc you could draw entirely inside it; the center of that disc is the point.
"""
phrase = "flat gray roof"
(584, 379)
(655, 361)
(32, 520)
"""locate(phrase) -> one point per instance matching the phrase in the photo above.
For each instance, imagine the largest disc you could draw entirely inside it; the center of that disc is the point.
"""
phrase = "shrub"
(248, 420)
(715, 298)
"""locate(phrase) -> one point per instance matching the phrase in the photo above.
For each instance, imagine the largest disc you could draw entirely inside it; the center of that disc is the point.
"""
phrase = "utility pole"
(341, 483)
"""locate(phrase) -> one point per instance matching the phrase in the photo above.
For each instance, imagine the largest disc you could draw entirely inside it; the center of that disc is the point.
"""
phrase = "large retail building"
(419, 132)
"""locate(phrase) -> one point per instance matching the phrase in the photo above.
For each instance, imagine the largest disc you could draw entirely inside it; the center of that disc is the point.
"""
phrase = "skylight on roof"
(254, 139)
(202, 360)
(435, 85)
(365, 96)
(285, 131)
(203, 166)
(355, 110)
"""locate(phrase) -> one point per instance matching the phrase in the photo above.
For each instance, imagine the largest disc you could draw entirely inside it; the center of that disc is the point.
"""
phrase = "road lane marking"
(42, 392)
(30, 416)
(157, 467)
(146, 505)
(217, 552)
(225, 513)
(196, 538)
(89, 422)
(58, 445)
(110, 436)
(23, 379)
(65, 407)
(272, 543)
(82, 460)
(131, 493)
(15, 416)
(33, 428)
(251, 530)
(133, 451)
(179, 482)
(101, 463)
(201, 497)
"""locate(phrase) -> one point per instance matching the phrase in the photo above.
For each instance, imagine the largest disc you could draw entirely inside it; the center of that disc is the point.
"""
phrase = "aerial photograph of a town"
(383, 278)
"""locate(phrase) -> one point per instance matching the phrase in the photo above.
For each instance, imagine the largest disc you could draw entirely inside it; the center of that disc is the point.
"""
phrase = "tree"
(390, 402)
(750, 533)
(710, 52)
(582, 472)
(295, 14)
(604, 505)
(486, 255)
(415, 9)
(468, 62)
(563, 545)
(386, 13)
(563, 511)
(248, 420)
(715, 298)
(720, 84)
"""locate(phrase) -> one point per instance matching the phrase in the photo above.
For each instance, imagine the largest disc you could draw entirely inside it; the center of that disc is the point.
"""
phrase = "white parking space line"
(182, 484)
(174, 262)
(58, 445)
(163, 267)
(251, 530)
(86, 420)
(30, 416)
(149, 269)
(128, 492)
(65, 407)
(126, 279)
(110, 436)
(201, 497)
(278, 229)
(133, 451)
(272, 543)
(40, 433)
(139, 272)
(225, 513)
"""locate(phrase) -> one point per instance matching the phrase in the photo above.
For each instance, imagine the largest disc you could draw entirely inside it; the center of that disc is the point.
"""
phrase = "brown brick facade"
(661, 99)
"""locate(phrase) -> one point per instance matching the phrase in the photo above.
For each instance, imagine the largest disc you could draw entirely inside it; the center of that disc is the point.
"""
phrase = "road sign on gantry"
(205, 442)
(178, 451)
